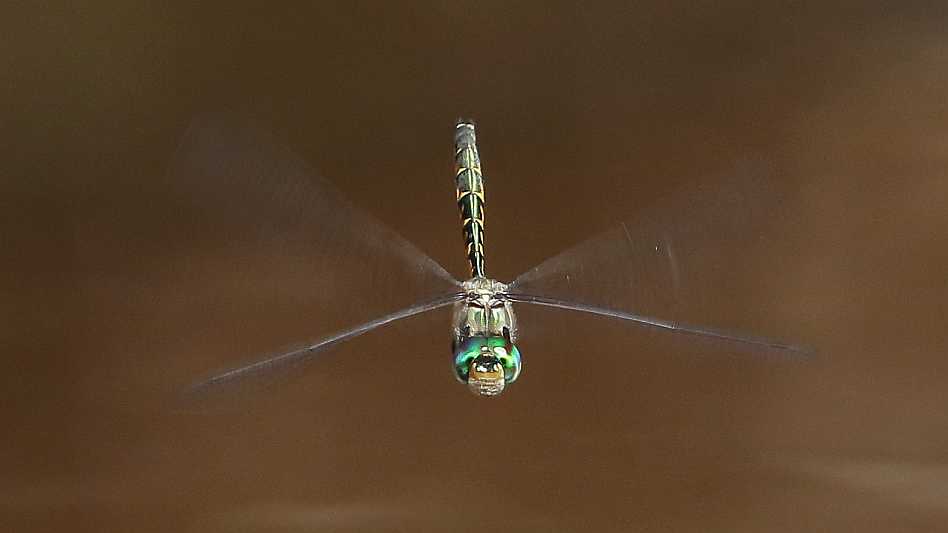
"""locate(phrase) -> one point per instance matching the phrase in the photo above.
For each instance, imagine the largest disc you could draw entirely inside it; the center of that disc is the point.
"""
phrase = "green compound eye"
(465, 353)
(505, 352)
(509, 356)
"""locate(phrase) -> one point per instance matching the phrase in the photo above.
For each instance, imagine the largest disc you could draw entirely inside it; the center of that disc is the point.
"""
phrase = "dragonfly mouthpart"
(486, 376)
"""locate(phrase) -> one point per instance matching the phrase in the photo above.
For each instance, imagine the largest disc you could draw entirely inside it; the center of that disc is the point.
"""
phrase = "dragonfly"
(657, 270)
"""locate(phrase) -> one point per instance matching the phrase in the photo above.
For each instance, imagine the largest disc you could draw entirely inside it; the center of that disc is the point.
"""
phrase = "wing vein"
(668, 325)
(297, 356)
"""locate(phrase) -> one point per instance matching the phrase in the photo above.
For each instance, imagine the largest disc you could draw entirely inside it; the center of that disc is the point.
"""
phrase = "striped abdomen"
(470, 187)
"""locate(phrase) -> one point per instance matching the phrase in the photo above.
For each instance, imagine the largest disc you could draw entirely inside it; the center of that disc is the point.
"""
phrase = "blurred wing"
(669, 325)
(714, 257)
(261, 253)
(295, 357)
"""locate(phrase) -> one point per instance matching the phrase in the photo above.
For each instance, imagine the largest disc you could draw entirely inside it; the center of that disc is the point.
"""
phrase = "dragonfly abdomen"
(470, 193)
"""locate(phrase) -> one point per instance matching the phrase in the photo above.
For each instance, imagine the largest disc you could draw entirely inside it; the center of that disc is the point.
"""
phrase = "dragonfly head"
(487, 364)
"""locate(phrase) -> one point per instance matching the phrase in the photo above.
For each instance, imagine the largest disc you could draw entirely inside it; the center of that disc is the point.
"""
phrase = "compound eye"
(509, 356)
(464, 354)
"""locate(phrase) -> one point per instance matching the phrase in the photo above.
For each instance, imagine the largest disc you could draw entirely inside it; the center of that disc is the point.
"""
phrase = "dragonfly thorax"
(485, 310)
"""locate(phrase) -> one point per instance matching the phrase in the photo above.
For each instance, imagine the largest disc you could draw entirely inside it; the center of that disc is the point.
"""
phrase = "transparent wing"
(295, 357)
(258, 253)
(711, 262)
(669, 325)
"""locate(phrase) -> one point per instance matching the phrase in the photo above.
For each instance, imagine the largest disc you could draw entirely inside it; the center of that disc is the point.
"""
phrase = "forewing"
(712, 261)
(243, 252)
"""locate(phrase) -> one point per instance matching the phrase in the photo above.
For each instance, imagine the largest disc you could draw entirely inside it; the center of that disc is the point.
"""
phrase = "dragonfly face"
(487, 364)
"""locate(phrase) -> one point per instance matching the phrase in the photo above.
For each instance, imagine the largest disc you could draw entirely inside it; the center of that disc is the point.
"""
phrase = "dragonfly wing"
(284, 361)
(709, 258)
(668, 325)
(255, 252)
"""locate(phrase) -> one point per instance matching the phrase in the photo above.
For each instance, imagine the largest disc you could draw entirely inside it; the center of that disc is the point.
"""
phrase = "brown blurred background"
(588, 111)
